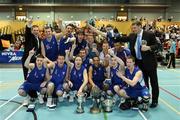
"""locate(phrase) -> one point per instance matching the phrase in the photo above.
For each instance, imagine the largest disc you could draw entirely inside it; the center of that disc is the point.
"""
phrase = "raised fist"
(31, 52)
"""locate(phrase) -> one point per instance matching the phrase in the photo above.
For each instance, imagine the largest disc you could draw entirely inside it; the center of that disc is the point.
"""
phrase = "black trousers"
(171, 60)
(25, 70)
(150, 75)
(179, 52)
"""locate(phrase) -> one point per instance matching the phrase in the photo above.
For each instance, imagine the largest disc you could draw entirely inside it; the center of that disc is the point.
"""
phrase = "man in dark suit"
(31, 41)
(142, 45)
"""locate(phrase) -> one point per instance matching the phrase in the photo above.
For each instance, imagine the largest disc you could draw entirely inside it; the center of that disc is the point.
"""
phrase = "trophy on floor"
(80, 99)
(96, 95)
(108, 104)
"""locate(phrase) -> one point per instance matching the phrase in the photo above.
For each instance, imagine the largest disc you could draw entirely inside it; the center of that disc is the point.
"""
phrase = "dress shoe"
(153, 105)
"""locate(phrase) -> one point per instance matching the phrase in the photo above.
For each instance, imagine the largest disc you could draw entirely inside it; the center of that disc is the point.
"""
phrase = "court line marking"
(7, 118)
(142, 115)
(105, 115)
(169, 85)
(170, 93)
(168, 80)
(5, 86)
(170, 106)
(167, 70)
(10, 69)
(8, 101)
(34, 113)
(3, 83)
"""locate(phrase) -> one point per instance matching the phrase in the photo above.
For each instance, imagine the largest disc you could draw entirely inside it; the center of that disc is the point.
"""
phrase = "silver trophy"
(96, 95)
(108, 105)
(80, 99)
(144, 42)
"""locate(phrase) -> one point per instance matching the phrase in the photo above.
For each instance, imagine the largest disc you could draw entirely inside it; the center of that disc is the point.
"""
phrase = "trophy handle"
(114, 102)
(85, 95)
(76, 96)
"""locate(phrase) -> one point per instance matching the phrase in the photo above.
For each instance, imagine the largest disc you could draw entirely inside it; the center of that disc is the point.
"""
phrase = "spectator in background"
(178, 47)
(17, 45)
(172, 51)
(178, 43)
(173, 34)
(167, 34)
(103, 29)
(116, 33)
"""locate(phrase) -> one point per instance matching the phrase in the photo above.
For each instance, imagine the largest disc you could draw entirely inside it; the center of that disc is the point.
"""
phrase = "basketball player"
(49, 45)
(116, 65)
(78, 75)
(97, 73)
(136, 86)
(58, 75)
(36, 78)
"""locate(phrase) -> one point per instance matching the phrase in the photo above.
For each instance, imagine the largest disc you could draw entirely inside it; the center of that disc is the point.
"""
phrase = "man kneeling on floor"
(36, 79)
(136, 87)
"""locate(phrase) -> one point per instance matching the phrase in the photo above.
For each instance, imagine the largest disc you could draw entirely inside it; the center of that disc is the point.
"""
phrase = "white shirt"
(167, 36)
(37, 41)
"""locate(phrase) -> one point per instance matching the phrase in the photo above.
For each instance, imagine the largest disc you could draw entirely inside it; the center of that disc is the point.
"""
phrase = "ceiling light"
(20, 8)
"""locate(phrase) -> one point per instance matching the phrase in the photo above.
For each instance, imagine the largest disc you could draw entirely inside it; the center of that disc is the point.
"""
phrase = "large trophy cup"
(80, 99)
(96, 95)
(108, 105)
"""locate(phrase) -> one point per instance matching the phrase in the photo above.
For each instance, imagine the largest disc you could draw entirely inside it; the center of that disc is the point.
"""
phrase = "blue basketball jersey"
(140, 84)
(36, 76)
(79, 46)
(59, 74)
(123, 54)
(86, 63)
(98, 75)
(51, 48)
(114, 78)
(64, 46)
(76, 77)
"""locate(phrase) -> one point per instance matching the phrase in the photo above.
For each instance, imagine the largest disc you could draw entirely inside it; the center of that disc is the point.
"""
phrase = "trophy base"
(107, 109)
(79, 111)
(95, 110)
